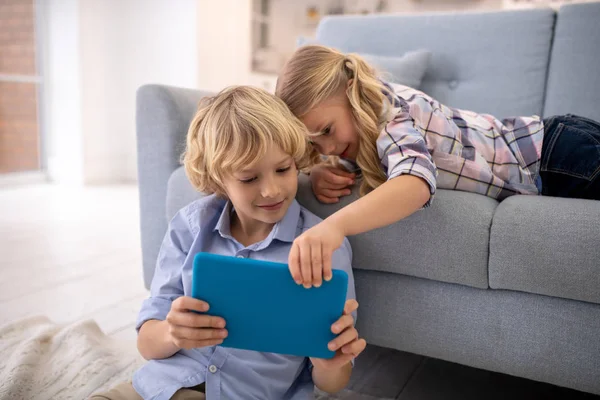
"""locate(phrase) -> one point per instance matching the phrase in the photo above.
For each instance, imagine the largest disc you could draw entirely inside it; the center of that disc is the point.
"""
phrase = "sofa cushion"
(573, 78)
(547, 245)
(180, 192)
(447, 242)
(492, 62)
(406, 69)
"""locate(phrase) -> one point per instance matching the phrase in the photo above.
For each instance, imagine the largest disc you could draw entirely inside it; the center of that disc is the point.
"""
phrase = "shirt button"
(212, 369)
(240, 256)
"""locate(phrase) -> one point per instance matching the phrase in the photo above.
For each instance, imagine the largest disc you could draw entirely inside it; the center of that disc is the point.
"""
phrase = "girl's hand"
(347, 344)
(329, 183)
(188, 330)
(310, 257)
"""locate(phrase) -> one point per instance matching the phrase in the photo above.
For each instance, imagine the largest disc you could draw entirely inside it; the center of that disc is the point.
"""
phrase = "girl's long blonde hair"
(234, 129)
(315, 73)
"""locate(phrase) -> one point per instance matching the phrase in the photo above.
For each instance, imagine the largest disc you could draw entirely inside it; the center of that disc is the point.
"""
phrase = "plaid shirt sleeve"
(403, 150)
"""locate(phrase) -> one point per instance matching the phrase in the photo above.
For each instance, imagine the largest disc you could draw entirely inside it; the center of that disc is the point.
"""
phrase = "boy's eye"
(283, 170)
(249, 180)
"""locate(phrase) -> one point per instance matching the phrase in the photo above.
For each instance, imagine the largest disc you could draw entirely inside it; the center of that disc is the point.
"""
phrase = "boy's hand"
(347, 344)
(329, 183)
(309, 260)
(188, 330)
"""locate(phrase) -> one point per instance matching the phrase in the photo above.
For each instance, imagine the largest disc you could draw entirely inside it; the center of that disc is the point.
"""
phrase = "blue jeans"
(570, 163)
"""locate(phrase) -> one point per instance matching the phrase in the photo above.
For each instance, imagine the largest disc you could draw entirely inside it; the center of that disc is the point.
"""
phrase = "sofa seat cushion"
(547, 245)
(446, 242)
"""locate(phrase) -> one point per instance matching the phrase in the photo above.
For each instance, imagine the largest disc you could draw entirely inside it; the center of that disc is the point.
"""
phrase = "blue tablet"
(264, 309)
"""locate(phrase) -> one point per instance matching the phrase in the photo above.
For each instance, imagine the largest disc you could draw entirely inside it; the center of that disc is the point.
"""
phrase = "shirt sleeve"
(403, 150)
(167, 282)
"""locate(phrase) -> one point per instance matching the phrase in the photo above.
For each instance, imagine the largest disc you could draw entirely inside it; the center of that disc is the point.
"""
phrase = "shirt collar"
(284, 230)
(223, 225)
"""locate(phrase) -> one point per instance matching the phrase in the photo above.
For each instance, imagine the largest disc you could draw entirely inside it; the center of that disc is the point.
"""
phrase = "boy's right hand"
(329, 182)
(188, 330)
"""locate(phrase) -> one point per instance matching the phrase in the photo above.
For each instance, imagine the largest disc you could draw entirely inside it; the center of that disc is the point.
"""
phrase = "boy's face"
(262, 192)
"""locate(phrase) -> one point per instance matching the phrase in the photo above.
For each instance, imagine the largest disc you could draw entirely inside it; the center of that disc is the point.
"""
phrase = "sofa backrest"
(492, 62)
(574, 75)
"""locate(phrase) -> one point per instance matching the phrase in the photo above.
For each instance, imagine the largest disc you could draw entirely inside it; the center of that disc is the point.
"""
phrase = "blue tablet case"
(264, 309)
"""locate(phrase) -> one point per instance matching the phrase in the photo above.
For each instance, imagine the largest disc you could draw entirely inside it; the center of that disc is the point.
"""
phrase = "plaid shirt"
(460, 150)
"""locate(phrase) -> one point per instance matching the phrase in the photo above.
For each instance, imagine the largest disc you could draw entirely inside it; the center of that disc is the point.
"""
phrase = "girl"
(406, 144)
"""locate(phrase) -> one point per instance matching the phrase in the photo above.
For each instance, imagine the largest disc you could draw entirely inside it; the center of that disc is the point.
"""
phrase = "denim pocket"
(573, 151)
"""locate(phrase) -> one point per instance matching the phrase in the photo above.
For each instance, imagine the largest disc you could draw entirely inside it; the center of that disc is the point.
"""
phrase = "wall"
(99, 53)
(223, 43)
(62, 90)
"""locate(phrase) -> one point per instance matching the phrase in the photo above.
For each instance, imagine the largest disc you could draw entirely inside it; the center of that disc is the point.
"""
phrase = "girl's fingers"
(331, 185)
(335, 192)
(327, 200)
(317, 267)
(335, 179)
(294, 263)
(305, 264)
(326, 257)
(342, 172)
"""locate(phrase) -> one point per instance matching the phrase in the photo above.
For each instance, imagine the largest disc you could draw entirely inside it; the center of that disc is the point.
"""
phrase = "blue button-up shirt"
(203, 226)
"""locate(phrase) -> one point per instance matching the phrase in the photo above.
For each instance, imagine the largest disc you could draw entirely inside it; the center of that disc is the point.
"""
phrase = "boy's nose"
(270, 189)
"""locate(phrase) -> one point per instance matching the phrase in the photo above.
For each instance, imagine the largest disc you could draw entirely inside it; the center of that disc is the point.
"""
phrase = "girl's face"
(262, 192)
(333, 125)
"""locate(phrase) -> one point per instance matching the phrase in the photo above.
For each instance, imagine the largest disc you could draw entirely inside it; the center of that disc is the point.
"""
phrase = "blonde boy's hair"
(234, 129)
(315, 73)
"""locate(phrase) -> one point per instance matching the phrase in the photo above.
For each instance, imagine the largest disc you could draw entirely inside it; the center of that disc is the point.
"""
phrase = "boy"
(245, 147)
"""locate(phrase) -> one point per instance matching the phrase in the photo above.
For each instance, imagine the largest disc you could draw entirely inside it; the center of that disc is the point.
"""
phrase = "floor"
(73, 254)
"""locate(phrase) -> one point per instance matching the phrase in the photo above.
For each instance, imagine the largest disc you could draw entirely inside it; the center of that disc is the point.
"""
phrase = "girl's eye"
(283, 170)
(326, 131)
(249, 180)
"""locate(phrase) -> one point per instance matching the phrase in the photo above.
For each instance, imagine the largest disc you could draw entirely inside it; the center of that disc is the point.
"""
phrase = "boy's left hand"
(347, 344)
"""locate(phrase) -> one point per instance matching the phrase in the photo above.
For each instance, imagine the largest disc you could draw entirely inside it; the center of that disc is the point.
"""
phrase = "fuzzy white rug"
(43, 360)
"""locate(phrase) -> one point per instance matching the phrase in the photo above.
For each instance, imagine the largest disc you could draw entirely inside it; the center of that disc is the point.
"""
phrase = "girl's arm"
(392, 201)
(310, 257)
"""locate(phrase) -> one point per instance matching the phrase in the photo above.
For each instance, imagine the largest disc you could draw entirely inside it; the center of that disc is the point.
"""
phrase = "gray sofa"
(512, 287)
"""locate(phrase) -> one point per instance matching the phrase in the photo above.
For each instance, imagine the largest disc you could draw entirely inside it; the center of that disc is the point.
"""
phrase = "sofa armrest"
(163, 114)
